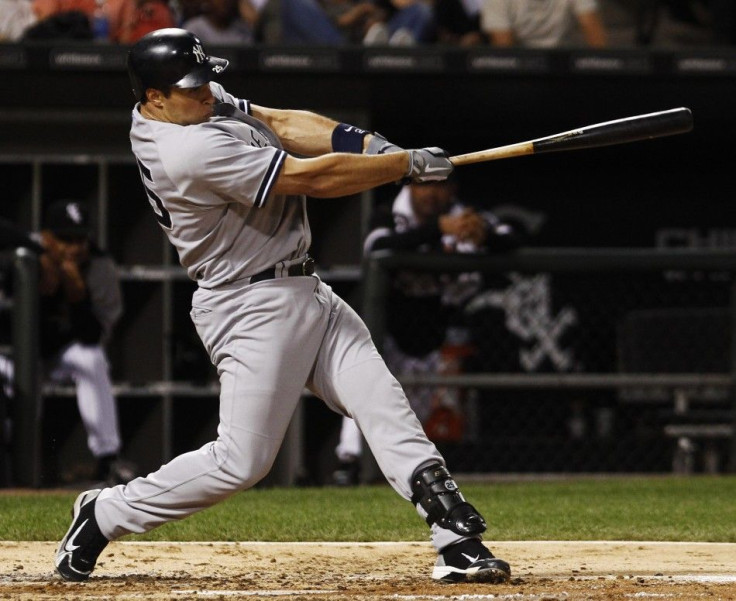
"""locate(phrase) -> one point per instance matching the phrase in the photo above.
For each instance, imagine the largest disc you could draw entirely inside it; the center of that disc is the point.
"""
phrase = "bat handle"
(493, 154)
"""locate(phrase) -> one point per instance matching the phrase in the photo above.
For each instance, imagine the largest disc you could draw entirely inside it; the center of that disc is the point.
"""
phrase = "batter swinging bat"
(630, 129)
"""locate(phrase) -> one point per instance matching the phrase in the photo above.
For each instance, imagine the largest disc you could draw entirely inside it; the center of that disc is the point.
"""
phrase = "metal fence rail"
(25, 337)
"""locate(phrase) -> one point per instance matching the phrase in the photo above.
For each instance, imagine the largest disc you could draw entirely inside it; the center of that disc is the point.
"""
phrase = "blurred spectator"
(65, 25)
(15, 17)
(185, 9)
(542, 23)
(130, 20)
(716, 18)
(125, 20)
(686, 23)
(458, 22)
(222, 22)
(423, 333)
(338, 22)
(405, 23)
(295, 22)
(80, 303)
(360, 21)
(379, 22)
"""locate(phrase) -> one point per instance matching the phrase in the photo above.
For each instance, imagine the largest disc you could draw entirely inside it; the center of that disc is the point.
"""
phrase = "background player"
(425, 217)
(80, 304)
(221, 180)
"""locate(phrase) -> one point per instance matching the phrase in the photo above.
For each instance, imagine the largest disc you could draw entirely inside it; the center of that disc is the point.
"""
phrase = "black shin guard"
(435, 490)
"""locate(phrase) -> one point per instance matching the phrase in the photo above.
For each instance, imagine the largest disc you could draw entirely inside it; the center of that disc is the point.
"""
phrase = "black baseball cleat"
(83, 542)
(470, 561)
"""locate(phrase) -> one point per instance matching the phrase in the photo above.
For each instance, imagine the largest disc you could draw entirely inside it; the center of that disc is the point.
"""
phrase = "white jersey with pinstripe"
(210, 185)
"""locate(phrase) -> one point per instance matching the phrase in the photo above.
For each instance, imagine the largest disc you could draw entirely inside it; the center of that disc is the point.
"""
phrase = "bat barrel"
(630, 129)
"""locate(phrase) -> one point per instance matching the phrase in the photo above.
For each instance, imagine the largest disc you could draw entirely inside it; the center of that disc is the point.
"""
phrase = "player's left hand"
(429, 165)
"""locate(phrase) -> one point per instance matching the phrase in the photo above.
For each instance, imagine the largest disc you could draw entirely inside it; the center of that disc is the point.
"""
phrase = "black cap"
(67, 218)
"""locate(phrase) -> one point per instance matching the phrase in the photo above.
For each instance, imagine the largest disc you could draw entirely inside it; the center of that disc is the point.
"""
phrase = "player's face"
(187, 106)
(431, 199)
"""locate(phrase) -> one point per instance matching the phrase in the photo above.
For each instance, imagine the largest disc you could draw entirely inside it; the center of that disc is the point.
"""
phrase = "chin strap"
(434, 489)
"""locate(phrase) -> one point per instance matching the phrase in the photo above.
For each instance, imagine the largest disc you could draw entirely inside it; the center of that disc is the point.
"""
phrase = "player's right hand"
(429, 165)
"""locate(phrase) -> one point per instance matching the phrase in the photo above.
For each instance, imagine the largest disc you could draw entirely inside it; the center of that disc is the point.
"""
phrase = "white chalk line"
(423, 543)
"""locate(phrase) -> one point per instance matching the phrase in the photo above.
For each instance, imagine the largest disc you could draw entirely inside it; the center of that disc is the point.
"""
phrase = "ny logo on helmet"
(198, 52)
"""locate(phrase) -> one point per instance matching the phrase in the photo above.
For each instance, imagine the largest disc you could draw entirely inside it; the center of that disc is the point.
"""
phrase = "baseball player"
(423, 218)
(81, 302)
(224, 181)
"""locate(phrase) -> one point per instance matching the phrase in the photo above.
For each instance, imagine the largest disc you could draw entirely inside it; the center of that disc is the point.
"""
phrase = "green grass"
(634, 508)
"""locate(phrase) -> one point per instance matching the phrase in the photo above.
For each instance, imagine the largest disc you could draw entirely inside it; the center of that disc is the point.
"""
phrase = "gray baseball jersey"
(208, 183)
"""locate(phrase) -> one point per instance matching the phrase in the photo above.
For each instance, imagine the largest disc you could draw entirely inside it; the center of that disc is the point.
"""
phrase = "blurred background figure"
(542, 23)
(80, 303)
(383, 22)
(686, 22)
(15, 17)
(130, 20)
(458, 22)
(425, 333)
(340, 22)
(405, 23)
(224, 22)
(118, 21)
(360, 21)
(294, 23)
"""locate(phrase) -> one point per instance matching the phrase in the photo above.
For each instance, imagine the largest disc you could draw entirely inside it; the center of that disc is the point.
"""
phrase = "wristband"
(348, 138)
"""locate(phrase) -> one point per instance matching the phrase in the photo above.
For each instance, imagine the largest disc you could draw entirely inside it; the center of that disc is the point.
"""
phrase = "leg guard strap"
(435, 490)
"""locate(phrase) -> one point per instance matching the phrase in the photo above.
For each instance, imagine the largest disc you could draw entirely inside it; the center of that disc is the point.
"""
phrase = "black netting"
(608, 326)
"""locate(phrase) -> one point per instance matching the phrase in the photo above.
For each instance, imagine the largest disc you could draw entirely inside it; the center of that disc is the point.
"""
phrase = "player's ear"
(155, 97)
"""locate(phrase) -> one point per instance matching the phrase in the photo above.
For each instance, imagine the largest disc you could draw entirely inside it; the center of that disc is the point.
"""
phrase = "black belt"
(305, 268)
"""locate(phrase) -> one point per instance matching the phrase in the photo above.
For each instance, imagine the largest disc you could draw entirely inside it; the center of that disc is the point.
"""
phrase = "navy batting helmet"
(170, 57)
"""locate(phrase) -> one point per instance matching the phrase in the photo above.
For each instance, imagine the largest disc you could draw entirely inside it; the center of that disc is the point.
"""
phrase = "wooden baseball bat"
(629, 129)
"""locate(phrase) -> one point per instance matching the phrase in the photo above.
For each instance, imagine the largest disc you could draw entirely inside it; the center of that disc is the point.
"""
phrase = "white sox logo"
(74, 212)
(198, 53)
(527, 303)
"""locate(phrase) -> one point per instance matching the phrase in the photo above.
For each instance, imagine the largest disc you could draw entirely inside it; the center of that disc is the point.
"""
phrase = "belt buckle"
(308, 266)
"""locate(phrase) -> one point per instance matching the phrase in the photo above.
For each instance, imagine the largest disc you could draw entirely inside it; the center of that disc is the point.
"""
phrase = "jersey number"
(163, 216)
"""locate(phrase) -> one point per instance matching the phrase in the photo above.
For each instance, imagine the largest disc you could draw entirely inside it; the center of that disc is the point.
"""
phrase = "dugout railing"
(25, 440)
(378, 269)
(682, 424)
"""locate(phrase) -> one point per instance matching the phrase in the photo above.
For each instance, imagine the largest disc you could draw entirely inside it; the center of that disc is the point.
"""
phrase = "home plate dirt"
(372, 572)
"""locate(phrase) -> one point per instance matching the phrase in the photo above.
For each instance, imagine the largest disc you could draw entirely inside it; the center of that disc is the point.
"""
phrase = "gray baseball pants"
(268, 341)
